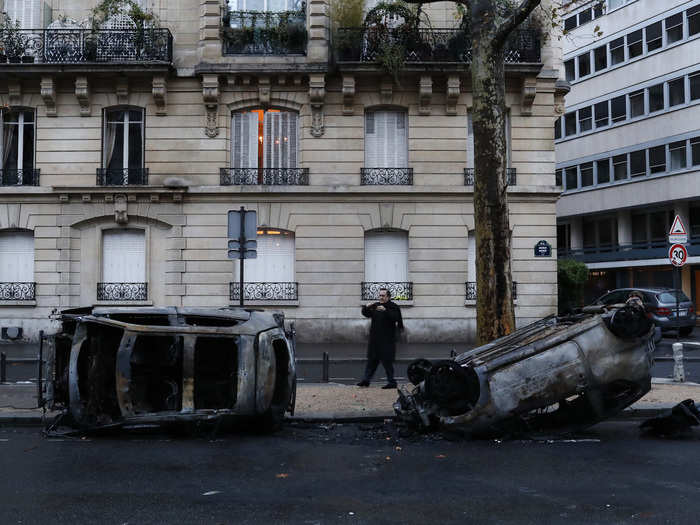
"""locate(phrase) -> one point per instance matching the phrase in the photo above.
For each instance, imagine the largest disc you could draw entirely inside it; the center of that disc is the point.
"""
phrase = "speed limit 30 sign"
(678, 255)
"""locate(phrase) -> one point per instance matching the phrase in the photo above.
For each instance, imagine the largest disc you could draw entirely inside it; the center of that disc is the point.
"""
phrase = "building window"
(563, 237)
(674, 28)
(570, 23)
(585, 16)
(571, 178)
(676, 92)
(586, 174)
(694, 86)
(602, 118)
(657, 159)
(557, 128)
(618, 108)
(570, 123)
(634, 44)
(26, 12)
(17, 144)
(653, 37)
(123, 266)
(271, 276)
(599, 234)
(570, 68)
(585, 119)
(602, 171)
(123, 142)
(617, 51)
(557, 177)
(386, 139)
(656, 98)
(636, 104)
(638, 163)
(677, 155)
(600, 57)
(17, 266)
(620, 167)
(695, 151)
(264, 5)
(693, 20)
(386, 264)
(584, 65)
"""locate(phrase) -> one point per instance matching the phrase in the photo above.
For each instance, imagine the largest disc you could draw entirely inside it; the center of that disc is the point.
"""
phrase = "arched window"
(123, 266)
(270, 276)
(386, 264)
(123, 145)
(17, 147)
(17, 266)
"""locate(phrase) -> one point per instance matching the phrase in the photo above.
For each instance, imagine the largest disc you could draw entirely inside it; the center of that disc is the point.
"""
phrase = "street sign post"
(678, 234)
(678, 256)
(242, 244)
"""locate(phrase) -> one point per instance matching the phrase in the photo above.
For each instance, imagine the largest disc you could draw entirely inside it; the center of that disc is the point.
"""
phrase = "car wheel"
(657, 335)
(686, 331)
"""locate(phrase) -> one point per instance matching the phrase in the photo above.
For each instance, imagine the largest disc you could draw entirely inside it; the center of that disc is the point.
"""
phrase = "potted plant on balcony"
(143, 19)
(13, 40)
(347, 17)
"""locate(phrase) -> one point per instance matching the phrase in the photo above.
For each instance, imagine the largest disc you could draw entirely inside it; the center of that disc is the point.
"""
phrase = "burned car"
(124, 366)
(563, 373)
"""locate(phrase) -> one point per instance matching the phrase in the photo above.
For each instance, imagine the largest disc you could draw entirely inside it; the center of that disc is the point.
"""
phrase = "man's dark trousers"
(373, 363)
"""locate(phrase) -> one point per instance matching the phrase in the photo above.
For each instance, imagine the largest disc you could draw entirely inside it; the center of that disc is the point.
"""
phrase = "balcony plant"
(143, 19)
(265, 31)
(14, 43)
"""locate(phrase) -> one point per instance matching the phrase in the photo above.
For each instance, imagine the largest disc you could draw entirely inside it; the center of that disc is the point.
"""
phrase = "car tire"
(657, 335)
(686, 331)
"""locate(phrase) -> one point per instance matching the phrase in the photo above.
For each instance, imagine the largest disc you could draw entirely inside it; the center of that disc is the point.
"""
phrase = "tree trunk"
(494, 304)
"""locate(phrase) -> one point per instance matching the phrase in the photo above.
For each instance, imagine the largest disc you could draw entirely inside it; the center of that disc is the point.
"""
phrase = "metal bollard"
(326, 367)
(3, 367)
(678, 370)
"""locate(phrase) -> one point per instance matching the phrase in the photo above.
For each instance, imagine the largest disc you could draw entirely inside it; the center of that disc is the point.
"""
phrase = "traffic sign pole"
(241, 241)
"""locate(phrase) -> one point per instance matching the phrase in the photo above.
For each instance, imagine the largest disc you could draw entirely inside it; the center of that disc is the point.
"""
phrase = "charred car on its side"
(128, 366)
(557, 374)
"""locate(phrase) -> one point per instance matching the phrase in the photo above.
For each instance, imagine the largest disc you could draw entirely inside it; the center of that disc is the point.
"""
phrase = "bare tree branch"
(516, 18)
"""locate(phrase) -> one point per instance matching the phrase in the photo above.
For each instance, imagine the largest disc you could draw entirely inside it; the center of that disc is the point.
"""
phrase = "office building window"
(570, 123)
(620, 167)
(657, 159)
(571, 178)
(694, 86)
(570, 68)
(570, 23)
(674, 28)
(677, 154)
(618, 108)
(693, 20)
(603, 170)
(585, 120)
(634, 44)
(557, 178)
(653, 36)
(638, 163)
(586, 174)
(617, 51)
(676, 92)
(695, 151)
(557, 128)
(656, 98)
(636, 104)
(584, 65)
(602, 118)
(600, 55)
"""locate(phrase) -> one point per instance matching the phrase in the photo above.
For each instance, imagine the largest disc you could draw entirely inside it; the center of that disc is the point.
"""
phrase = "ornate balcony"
(511, 176)
(19, 177)
(398, 291)
(287, 291)
(122, 177)
(75, 46)
(122, 291)
(265, 33)
(385, 176)
(424, 46)
(471, 290)
(17, 291)
(264, 176)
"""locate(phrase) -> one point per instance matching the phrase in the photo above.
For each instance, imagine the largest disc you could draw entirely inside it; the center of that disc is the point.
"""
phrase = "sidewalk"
(336, 402)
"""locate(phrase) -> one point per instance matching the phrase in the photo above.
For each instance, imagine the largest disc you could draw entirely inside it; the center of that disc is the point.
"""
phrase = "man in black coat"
(386, 321)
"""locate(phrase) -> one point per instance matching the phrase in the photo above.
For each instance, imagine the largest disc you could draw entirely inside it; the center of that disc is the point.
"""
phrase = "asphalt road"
(348, 474)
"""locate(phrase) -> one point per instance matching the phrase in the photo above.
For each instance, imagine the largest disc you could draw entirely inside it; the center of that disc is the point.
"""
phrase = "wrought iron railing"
(122, 291)
(511, 176)
(265, 33)
(122, 177)
(381, 176)
(71, 46)
(399, 291)
(19, 177)
(17, 291)
(471, 290)
(264, 176)
(287, 291)
(428, 45)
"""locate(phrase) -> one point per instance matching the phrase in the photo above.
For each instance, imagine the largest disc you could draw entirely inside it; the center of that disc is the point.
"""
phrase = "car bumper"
(668, 323)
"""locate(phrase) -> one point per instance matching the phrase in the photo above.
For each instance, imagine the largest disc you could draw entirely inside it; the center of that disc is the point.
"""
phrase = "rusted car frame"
(557, 373)
(128, 366)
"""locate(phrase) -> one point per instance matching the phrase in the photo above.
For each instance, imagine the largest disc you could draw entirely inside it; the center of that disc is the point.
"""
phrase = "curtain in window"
(9, 138)
(27, 12)
(275, 261)
(244, 140)
(386, 139)
(386, 257)
(280, 140)
(124, 256)
(16, 257)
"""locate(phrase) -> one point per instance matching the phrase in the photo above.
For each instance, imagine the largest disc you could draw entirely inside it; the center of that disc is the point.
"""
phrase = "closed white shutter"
(17, 257)
(471, 258)
(275, 261)
(386, 139)
(28, 12)
(124, 256)
(280, 139)
(386, 257)
(244, 140)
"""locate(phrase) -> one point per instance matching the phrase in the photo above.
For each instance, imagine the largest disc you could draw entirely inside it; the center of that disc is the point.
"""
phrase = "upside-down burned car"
(558, 374)
(121, 367)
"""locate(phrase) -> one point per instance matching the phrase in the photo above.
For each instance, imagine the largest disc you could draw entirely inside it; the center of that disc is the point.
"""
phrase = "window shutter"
(471, 257)
(386, 144)
(244, 140)
(17, 257)
(28, 12)
(275, 261)
(280, 139)
(386, 257)
(124, 256)
(470, 141)
(507, 123)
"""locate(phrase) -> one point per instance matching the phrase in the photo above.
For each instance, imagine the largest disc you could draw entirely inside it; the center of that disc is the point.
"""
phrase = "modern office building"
(125, 142)
(628, 144)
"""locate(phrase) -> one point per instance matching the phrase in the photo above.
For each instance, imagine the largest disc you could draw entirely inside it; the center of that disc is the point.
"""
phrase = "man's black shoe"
(363, 383)
(389, 386)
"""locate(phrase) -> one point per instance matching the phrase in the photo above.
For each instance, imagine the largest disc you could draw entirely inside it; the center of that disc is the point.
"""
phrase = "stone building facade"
(135, 147)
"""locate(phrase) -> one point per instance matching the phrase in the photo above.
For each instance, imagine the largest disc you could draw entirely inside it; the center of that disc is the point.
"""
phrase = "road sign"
(248, 220)
(678, 234)
(543, 249)
(249, 249)
(678, 255)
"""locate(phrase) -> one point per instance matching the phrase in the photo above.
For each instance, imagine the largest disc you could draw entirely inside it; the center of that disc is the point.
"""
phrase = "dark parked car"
(660, 304)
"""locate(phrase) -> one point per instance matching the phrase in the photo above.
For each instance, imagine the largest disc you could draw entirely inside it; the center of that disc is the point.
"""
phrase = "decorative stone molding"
(155, 197)
(528, 95)
(348, 94)
(120, 207)
(122, 91)
(15, 93)
(317, 94)
(425, 94)
(82, 93)
(160, 94)
(264, 90)
(48, 93)
(386, 91)
(453, 87)
(87, 197)
(63, 198)
(210, 95)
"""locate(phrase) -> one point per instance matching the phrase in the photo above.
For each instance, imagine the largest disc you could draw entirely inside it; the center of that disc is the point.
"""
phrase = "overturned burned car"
(129, 366)
(556, 374)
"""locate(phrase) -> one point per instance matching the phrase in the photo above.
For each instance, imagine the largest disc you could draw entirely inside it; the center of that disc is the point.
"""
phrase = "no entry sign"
(678, 255)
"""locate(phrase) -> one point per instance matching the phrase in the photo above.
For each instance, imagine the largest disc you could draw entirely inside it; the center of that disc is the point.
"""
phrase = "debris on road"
(675, 422)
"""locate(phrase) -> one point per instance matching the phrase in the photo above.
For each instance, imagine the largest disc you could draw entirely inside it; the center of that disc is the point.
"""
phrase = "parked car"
(660, 304)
